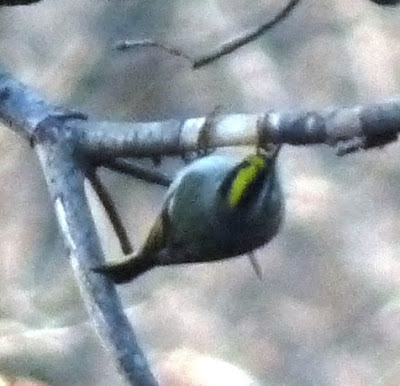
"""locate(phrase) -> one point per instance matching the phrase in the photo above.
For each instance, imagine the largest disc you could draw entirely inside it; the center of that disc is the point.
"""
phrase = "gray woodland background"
(328, 309)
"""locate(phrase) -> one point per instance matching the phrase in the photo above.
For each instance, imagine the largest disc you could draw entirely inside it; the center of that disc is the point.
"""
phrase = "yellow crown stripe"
(258, 161)
(245, 176)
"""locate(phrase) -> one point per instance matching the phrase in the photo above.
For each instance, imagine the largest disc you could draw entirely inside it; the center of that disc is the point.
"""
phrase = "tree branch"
(17, 2)
(224, 49)
(112, 212)
(55, 141)
(363, 127)
(66, 144)
(240, 41)
(135, 170)
(386, 2)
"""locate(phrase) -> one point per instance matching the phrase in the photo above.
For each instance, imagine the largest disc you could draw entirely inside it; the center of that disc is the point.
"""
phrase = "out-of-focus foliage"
(328, 309)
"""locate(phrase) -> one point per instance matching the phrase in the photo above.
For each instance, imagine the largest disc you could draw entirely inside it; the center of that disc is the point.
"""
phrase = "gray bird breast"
(201, 228)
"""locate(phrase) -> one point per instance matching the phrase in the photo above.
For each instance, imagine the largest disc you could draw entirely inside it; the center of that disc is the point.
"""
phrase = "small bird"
(217, 207)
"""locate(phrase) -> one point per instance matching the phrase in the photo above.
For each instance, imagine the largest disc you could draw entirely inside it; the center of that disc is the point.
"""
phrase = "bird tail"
(126, 270)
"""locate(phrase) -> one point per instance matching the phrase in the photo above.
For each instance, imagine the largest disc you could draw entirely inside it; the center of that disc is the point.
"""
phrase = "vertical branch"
(66, 185)
(54, 132)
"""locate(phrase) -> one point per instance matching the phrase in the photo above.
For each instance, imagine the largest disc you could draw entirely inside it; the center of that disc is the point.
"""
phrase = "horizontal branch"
(348, 129)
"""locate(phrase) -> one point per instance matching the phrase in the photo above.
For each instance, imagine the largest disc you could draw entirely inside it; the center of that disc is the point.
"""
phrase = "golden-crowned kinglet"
(217, 207)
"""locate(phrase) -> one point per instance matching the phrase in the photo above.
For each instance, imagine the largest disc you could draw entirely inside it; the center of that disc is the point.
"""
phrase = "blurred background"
(328, 309)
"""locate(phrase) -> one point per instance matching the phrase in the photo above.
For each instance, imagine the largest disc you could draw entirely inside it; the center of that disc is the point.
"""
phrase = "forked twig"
(224, 49)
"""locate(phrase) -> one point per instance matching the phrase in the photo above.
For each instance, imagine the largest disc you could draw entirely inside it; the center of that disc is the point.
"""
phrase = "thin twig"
(124, 45)
(133, 169)
(224, 49)
(236, 43)
(112, 212)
